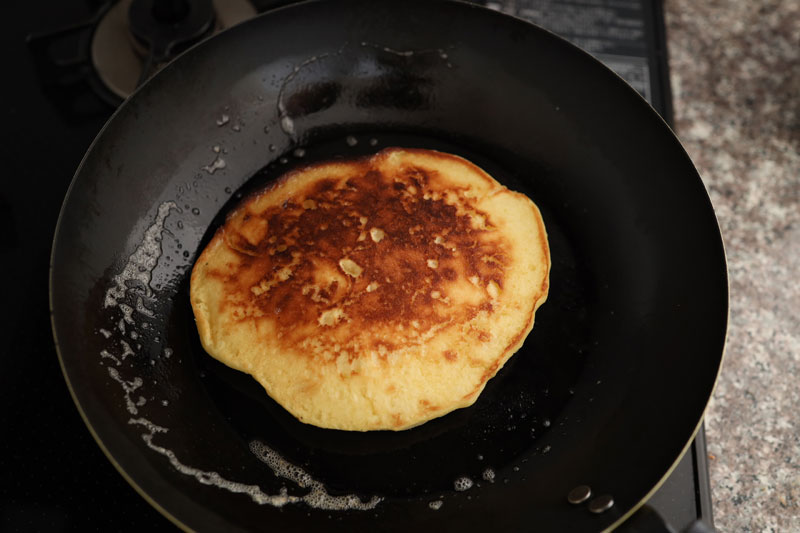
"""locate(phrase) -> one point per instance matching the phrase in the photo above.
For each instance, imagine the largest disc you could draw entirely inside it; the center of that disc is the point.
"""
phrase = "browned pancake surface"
(350, 287)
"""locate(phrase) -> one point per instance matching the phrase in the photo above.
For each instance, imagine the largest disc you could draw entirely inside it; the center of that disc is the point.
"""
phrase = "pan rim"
(58, 228)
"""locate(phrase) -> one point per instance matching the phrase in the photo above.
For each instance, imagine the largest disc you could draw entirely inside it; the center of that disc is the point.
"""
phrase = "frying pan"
(607, 391)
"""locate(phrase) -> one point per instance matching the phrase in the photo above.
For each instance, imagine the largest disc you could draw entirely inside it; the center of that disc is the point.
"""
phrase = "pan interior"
(520, 405)
(607, 389)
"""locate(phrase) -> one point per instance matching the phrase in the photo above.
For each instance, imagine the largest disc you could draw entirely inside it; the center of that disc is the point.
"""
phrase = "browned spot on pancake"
(291, 257)
(398, 420)
(450, 355)
(449, 274)
(427, 406)
(309, 386)
(383, 346)
(484, 336)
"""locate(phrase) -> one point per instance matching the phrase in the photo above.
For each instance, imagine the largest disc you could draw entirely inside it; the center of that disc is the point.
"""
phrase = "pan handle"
(647, 520)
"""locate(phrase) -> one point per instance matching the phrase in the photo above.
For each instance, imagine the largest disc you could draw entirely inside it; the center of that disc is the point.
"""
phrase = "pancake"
(373, 293)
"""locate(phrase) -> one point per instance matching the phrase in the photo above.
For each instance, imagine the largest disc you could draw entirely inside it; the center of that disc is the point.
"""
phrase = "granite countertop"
(735, 69)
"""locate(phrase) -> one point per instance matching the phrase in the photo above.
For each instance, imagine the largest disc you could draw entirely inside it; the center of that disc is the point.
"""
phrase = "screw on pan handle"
(647, 520)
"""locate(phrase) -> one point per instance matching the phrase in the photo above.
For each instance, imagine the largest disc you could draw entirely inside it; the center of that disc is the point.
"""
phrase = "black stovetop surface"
(54, 476)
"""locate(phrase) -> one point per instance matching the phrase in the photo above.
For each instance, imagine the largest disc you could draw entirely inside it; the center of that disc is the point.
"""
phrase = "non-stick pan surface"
(607, 391)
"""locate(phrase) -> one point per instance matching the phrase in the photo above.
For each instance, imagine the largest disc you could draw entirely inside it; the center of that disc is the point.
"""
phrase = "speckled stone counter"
(735, 68)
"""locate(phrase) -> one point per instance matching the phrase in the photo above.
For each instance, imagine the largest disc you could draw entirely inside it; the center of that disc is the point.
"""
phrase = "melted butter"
(209, 477)
(463, 483)
(318, 496)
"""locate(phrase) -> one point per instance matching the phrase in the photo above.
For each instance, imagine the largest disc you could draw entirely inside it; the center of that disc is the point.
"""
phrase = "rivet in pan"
(601, 504)
(579, 494)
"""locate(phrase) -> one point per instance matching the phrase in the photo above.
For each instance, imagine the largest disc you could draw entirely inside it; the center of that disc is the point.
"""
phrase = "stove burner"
(89, 66)
(135, 38)
(167, 26)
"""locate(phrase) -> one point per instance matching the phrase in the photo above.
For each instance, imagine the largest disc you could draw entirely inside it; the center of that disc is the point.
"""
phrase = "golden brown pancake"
(373, 293)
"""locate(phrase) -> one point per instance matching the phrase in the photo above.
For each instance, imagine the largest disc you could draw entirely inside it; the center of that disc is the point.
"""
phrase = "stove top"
(55, 476)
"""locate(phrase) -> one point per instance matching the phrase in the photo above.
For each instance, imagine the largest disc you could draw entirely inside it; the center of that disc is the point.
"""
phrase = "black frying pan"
(608, 390)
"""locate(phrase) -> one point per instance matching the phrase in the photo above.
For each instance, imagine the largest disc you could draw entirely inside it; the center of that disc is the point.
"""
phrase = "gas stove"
(73, 63)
